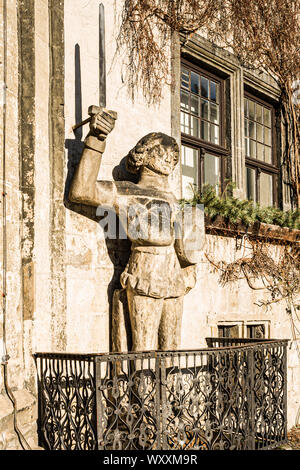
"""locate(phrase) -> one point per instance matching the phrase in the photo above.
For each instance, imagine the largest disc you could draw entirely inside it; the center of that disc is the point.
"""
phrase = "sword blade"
(102, 58)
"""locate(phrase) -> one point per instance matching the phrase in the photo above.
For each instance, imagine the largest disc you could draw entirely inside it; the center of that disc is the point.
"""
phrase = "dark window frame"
(200, 145)
(228, 331)
(258, 165)
(251, 331)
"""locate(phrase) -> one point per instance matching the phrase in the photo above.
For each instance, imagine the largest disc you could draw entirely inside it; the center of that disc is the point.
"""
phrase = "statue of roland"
(158, 273)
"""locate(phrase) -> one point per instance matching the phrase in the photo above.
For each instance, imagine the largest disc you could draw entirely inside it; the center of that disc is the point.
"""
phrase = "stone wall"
(61, 272)
(17, 169)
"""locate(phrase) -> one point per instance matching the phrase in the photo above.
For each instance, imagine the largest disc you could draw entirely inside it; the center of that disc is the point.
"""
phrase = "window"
(202, 128)
(256, 331)
(261, 166)
(228, 331)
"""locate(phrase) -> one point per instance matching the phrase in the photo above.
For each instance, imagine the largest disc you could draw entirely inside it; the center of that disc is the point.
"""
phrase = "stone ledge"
(260, 230)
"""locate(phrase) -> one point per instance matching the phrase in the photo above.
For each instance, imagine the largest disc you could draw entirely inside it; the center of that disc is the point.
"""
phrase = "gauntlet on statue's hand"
(102, 123)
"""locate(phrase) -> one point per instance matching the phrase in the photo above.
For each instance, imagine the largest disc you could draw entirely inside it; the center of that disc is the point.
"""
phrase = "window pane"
(214, 113)
(194, 126)
(184, 121)
(184, 98)
(231, 331)
(252, 148)
(256, 331)
(250, 184)
(184, 78)
(195, 82)
(251, 106)
(246, 108)
(214, 134)
(247, 147)
(267, 117)
(204, 130)
(189, 170)
(268, 155)
(260, 152)
(204, 87)
(267, 136)
(266, 189)
(212, 171)
(189, 156)
(246, 128)
(195, 105)
(252, 133)
(204, 109)
(259, 132)
(214, 91)
(259, 113)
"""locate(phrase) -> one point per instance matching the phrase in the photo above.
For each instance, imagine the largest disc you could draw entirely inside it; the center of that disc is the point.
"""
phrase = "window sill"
(262, 231)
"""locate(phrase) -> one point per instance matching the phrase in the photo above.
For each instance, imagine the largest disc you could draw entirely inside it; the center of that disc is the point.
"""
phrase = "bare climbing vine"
(264, 35)
(276, 271)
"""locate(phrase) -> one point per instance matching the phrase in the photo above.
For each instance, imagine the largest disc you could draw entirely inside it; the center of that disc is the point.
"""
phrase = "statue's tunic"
(154, 271)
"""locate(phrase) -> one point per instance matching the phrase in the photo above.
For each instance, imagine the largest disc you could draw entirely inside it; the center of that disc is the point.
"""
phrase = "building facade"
(59, 270)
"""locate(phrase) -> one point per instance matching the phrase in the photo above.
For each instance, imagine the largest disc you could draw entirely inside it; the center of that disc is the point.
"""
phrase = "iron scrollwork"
(230, 396)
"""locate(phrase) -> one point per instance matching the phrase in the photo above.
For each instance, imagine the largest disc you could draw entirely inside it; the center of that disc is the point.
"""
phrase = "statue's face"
(162, 160)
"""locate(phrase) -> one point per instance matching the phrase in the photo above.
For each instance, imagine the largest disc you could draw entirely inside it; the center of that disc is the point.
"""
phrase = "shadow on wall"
(118, 250)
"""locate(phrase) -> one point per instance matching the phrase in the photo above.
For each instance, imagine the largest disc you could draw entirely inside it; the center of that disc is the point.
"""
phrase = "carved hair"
(140, 154)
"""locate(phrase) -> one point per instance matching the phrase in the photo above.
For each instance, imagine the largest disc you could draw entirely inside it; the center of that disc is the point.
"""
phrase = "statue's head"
(156, 151)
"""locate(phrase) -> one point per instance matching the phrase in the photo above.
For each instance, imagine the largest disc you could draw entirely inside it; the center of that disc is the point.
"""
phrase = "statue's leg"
(120, 325)
(169, 335)
(145, 313)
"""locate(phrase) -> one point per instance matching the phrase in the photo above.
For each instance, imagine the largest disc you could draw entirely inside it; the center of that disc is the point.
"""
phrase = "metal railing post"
(39, 366)
(252, 399)
(161, 364)
(285, 389)
(98, 427)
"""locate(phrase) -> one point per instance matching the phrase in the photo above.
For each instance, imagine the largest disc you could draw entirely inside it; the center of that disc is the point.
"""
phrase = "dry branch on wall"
(277, 272)
(145, 32)
(264, 35)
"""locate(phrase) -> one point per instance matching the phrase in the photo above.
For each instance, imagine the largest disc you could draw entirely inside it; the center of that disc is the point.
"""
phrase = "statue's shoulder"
(127, 188)
(119, 187)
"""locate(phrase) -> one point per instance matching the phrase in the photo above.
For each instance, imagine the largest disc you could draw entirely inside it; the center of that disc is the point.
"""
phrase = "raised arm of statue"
(85, 189)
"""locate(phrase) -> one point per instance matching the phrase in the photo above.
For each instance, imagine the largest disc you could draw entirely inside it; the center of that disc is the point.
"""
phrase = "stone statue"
(158, 273)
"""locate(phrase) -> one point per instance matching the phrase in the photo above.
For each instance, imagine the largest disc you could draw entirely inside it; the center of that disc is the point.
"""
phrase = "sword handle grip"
(92, 111)
(97, 109)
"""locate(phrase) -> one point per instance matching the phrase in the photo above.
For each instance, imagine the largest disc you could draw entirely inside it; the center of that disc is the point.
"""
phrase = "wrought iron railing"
(224, 397)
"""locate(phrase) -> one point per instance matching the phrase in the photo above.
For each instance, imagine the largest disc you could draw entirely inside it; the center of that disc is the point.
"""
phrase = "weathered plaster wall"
(42, 331)
(18, 133)
(13, 203)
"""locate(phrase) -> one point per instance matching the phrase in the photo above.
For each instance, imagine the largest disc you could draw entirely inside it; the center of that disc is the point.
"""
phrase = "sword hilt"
(92, 110)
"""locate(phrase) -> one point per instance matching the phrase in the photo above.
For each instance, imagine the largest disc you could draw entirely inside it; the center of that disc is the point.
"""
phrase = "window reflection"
(212, 171)
(258, 129)
(266, 189)
(200, 97)
(250, 184)
(189, 170)
(201, 120)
